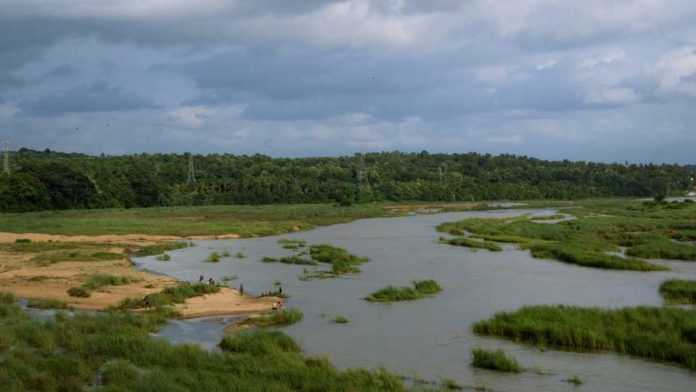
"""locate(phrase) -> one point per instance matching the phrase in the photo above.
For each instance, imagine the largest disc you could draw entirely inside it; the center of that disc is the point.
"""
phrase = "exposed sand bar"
(28, 279)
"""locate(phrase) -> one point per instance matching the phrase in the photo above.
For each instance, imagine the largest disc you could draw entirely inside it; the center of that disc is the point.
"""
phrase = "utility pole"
(191, 173)
(6, 160)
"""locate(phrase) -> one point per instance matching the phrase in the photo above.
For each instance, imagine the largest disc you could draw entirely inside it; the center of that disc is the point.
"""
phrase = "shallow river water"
(432, 338)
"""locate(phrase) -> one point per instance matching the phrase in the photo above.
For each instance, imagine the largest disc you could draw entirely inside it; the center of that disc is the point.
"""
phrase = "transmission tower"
(191, 173)
(6, 160)
(363, 180)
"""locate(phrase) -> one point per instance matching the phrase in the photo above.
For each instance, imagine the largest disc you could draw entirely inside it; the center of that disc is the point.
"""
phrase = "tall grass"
(342, 261)
(214, 257)
(171, 295)
(40, 303)
(494, 360)
(679, 291)
(294, 259)
(156, 249)
(662, 334)
(420, 289)
(276, 318)
(67, 353)
(601, 227)
(472, 243)
(100, 280)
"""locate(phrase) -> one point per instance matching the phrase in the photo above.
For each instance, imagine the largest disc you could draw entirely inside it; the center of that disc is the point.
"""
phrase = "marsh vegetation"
(661, 334)
(170, 295)
(96, 282)
(646, 229)
(115, 349)
(275, 318)
(494, 360)
(679, 291)
(420, 289)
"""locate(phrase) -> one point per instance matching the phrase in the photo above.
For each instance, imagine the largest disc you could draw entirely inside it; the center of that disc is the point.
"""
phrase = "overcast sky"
(606, 80)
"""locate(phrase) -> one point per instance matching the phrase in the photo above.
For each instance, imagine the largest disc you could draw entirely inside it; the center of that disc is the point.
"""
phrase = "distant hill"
(52, 180)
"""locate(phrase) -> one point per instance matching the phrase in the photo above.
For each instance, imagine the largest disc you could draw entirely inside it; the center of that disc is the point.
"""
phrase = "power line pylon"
(6, 160)
(191, 172)
(363, 180)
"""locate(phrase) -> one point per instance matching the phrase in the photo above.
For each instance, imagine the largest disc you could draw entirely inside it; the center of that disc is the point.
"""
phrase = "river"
(432, 338)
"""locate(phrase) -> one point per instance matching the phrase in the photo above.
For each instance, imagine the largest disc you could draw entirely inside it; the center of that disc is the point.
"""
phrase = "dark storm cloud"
(539, 77)
(98, 97)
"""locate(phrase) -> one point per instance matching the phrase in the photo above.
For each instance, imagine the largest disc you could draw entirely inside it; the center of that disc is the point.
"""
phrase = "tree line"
(46, 180)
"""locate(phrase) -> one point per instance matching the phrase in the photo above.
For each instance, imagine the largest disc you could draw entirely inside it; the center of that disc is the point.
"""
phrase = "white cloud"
(616, 95)
(677, 72)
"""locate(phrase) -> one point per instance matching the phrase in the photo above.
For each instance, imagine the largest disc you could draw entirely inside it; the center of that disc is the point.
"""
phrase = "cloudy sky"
(607, 80)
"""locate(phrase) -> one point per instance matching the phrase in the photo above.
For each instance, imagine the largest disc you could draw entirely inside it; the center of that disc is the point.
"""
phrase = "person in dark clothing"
(241, 289)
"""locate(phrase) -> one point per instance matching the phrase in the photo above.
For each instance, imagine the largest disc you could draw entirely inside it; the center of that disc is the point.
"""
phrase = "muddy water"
(432, 338)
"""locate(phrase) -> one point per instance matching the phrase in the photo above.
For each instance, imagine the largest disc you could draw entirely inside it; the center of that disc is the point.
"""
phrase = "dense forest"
(41, 180)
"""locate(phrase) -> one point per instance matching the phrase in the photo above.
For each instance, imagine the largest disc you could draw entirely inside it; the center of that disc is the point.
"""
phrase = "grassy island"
(594, 239)
(420, 289)
(494, 360)
(661, 334)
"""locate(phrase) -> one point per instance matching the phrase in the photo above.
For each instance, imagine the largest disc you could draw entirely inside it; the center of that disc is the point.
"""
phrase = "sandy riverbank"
(25, 278)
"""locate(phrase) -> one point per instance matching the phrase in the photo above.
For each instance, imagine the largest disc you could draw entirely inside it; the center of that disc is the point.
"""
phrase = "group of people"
(201, 279)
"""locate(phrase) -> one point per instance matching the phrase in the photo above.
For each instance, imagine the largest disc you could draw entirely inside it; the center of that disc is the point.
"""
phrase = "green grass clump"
(662, 334)
(451, 385)
(342, 261)
(316, 274)
(98, 281)
(40, 303)
(294, 259)
(67, 353)
(574, 379)
(572, 254)
(659, 247)
(240, 255)
(292, 244)
(419, 290)
(80, 255)
(548, 217)
(171, 295)
(164, 257)
(214, 258)
(22, 240)
(260, 342)
(494, 360)
(79, 292)
(157, 249)
(276, 318)
(339, 320)
(472, 243)
(679, 291)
